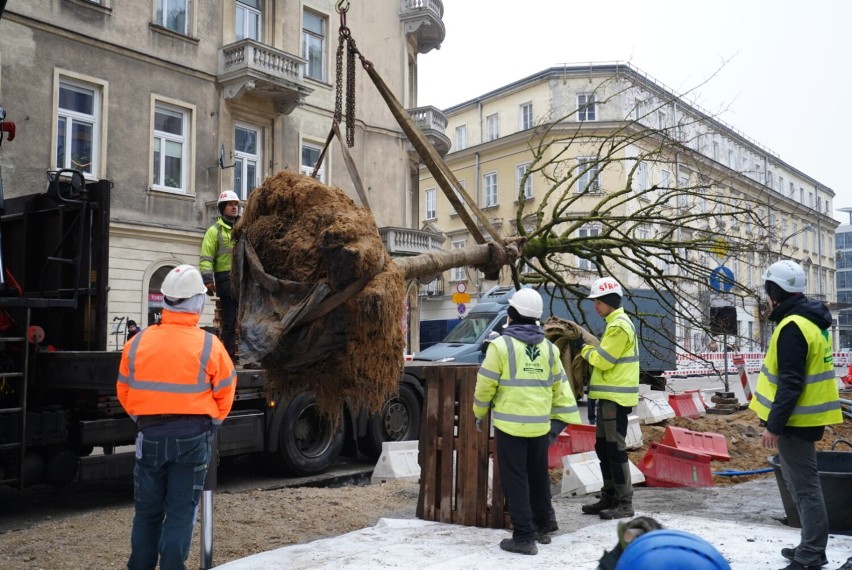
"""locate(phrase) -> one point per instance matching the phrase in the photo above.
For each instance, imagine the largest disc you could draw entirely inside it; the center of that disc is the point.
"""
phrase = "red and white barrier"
(713, 363)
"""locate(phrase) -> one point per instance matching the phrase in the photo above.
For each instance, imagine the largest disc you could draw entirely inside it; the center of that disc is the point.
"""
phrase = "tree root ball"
(308, 233)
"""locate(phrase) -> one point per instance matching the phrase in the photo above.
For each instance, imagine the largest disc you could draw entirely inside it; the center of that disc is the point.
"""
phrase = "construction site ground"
(48, 529)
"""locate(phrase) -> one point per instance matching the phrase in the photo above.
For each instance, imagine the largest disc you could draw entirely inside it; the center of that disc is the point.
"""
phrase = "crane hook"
(342, 6)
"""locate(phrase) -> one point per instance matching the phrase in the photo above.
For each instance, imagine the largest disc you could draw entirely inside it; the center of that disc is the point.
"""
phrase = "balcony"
(405, 241)
(423, 19)
(433, 124)
(249, 66)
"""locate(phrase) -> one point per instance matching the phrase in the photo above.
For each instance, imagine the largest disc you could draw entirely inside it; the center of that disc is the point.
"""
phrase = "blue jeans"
(168, 480)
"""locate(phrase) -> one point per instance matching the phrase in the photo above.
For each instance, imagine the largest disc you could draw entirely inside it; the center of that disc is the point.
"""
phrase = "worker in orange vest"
(177, 383)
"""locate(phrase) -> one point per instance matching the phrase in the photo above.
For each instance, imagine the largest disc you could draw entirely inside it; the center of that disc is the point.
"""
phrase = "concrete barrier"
(397, 461)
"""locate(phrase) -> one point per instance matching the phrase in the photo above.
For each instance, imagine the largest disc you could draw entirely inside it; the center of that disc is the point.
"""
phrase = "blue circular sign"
(722, 279)
(461, 307)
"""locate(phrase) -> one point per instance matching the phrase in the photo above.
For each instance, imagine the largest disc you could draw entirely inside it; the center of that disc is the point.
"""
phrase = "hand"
(211, 288)
(551, 438)
(479, 425)
(769, 440)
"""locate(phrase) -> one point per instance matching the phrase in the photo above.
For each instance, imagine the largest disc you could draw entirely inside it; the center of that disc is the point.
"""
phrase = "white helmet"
(228, 196)
(183, 282)
(527, 302)
(605, 286)
(788, 275)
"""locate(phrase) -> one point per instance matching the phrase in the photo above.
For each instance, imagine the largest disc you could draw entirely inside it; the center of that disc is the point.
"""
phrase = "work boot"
(619, 511)
(509, 545)
(790, 554)
(542, 537)
(605, 502)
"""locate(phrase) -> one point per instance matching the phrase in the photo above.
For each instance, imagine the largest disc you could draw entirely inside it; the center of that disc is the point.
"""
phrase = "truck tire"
(308, 442)
(399, 420)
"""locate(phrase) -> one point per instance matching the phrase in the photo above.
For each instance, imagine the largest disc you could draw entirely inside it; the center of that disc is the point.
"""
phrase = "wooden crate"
(454, 456)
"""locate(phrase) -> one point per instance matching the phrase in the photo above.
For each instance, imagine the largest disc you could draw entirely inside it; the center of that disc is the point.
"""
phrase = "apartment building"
(497, 136)
(174, 101)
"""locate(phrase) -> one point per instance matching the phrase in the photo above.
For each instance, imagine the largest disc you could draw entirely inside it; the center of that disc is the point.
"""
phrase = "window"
(520, 171)
(246, 160)
(78, 124)
(171, 148)
(586, 108)
(310, 156)
(431, 212)
(461, 137)
(730, 158)
(585, 264)
(716, 150)
(458, 273)
(248, 20)
(490, 184)
(313, 45)
(780, 183)
(640, 180)
(587, 175)
(174, 15)
(525, 116)
(492, 127)
(664, 179)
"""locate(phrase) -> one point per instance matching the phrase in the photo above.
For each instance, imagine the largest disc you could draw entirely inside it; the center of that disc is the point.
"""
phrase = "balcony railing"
(250, 66)
(405, 241)
(424, 19)
(433, 123)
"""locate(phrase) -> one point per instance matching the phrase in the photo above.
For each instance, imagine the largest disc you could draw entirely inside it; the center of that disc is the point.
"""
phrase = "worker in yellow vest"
(796, 397)
(523, 380)
(614, 385)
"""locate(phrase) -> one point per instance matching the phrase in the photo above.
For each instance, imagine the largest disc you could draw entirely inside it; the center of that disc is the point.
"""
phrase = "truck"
(60, 419)
(654, 327)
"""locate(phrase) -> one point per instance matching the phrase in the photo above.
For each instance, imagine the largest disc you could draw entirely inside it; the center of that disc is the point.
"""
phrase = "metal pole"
(725, 342)
(210, 484)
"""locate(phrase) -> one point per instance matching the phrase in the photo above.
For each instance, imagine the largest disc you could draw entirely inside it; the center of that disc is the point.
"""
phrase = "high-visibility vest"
(818, 404)
(615, 367)
(216, 250)
(176, 368)
(527, 387)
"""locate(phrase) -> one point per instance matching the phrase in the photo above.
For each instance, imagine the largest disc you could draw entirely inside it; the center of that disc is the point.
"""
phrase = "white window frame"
(461, 137)
(584, 232)
(71, 117)
(247, 14)
(309, 40)
(161, 17)
(244, 159)
(458, 273)
(430, 208)
(641, 180)
(184, 139)
(588, 181)
(525, 116)
(308, 169)
(520, 170)
(492, 127)
(587, 107)
(489, 189)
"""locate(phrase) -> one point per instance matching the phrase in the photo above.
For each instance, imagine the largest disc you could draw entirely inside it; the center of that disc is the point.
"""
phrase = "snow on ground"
(417, 544)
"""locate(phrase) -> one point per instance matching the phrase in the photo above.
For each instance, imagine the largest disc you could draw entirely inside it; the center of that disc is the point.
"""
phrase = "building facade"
(501, 138)
(174, 101)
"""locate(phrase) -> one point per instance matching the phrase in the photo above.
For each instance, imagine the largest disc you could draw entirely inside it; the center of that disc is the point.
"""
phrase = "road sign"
(722, 279)
(461, 298)
(462, 308)
(720, 247)
(461, 287)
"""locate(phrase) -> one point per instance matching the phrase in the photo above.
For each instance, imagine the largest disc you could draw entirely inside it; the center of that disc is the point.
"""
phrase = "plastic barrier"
(397, 461)
(714, 445)
(684, 406)
(654, 408)
(576, 438)
(633, 439)
(665, 466)
(581, 475)
(739, 362)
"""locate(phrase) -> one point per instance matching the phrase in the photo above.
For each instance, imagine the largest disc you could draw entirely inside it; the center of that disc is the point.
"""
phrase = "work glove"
(556, 427)
(479, 425)
(211, 289)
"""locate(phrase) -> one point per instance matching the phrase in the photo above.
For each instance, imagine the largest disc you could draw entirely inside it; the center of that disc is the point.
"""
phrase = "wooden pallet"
(454, 456)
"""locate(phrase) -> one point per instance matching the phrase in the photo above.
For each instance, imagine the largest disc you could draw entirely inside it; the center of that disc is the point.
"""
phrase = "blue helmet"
(668, 549)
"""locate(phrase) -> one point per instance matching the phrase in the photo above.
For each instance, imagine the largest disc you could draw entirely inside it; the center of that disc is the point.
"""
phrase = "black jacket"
(792, 355)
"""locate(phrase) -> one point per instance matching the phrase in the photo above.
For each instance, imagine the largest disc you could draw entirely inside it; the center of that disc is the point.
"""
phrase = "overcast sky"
(783, 67)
